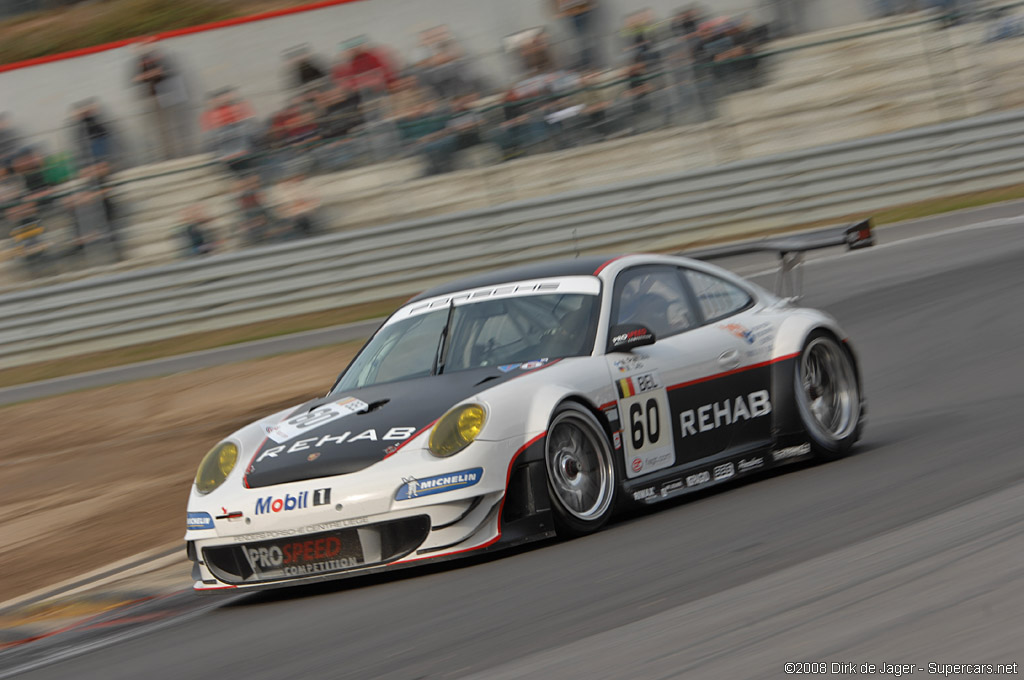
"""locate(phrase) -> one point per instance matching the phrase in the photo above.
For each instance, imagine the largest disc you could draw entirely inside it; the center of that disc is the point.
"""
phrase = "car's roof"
(576, 266)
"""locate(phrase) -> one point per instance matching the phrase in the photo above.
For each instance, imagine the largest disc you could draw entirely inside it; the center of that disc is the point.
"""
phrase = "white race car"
(518, 404)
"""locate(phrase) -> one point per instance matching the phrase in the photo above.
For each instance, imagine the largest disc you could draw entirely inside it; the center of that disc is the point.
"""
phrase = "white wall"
(249, 56)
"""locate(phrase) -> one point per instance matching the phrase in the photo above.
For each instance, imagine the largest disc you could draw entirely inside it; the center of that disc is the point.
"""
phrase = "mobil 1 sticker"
(646, 429)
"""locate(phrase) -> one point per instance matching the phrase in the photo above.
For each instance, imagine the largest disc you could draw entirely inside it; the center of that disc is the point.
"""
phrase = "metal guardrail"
(666, 212)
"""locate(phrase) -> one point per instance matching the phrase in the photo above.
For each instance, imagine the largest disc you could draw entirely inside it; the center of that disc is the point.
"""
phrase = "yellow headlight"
(456, 430)
(216, 467)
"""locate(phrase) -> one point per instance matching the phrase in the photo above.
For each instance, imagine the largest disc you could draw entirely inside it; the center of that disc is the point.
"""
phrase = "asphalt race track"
(907, 552)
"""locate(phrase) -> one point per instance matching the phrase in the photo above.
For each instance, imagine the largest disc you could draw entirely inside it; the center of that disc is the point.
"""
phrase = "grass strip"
(40, 34)
(56, 368)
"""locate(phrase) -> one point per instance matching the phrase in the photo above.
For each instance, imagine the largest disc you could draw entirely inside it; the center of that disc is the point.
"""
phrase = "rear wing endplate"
(791, 249)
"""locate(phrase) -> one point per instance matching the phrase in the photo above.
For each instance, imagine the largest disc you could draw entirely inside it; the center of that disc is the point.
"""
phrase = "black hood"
(396, 411)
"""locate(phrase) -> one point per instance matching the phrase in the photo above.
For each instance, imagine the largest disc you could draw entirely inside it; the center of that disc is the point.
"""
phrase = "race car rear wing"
(791, 249)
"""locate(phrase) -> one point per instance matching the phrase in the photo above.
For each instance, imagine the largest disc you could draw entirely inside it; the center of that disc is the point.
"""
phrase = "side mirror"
(624, 337)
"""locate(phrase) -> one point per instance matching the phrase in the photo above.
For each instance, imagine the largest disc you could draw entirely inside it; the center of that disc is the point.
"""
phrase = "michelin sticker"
(199, 520)
(428, 486)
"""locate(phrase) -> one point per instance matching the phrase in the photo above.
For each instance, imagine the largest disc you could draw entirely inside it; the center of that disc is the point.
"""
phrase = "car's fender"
(790, 338)
(524, 407)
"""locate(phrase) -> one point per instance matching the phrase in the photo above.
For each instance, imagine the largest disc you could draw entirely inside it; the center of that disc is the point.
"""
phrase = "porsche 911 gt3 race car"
(515, 405)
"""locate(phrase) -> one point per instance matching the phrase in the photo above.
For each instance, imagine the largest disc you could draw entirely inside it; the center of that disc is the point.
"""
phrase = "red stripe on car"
(508, 477)
(732, 372)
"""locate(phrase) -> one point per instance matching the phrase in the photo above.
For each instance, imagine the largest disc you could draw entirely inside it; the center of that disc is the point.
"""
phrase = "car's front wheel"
(828, 395)
(581, 471)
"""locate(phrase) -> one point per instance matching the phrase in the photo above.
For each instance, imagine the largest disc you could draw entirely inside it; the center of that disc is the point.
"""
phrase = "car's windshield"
(488, 333)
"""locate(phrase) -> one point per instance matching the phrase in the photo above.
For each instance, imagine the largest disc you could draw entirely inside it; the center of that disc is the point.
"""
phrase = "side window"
(717, 297)
(655, 297)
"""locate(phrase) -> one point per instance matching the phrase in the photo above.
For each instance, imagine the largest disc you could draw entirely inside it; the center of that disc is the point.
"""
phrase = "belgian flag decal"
(626, 388)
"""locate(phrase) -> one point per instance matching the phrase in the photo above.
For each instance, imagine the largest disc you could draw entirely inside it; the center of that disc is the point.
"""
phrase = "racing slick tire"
(828, 395)
(582, 480)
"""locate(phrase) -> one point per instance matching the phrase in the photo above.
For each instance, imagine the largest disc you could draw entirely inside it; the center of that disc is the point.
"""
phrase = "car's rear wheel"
(828, 395)
(580, 470)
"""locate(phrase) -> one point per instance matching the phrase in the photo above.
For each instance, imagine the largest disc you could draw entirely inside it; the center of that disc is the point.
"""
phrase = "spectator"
(735, 61)
(10, 143)
(368, 70)
(535, 52)
(408, 98)
(92, 134)
(461, 131)
(258, 224)
(296, 204)
(12, 186)
(562, 106)
(598, 100)
(198, 232)
(227, 125)
(519, 130)
(580, 15)
(465, 123)
(339, 111)
(708, 44)
(638, 88)
(163, 89)
(339, 115)
(291, 132)
(304, 69)
(441, 64)
(684, 23)
(29, 238)
(94, 214)
(421, 121)
(639, 33)
(677, 59)
(28, 165)
(418, 116)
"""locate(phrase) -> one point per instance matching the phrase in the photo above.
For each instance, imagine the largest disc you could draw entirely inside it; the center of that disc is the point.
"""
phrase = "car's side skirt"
(707, 472)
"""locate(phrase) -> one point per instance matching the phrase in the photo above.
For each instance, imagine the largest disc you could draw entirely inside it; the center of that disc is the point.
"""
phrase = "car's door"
(727, 406)
(686, 397)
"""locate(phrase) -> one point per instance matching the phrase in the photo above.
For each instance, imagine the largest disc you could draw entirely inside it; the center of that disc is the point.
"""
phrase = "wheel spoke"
(829, 388)
(574, 437)
(579, 466)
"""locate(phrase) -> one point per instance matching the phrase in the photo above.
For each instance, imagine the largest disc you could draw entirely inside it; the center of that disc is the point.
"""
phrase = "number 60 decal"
(644, 424)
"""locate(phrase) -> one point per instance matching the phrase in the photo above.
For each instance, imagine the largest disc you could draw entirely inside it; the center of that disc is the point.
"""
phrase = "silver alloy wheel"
(579, 462)
(829, 388)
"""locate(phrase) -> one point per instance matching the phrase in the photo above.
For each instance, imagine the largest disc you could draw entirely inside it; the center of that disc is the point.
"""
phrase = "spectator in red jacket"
(227, 126)
(364, 68)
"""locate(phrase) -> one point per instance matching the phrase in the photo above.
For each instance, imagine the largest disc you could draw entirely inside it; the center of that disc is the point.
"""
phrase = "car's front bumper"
(333, 549)
(359, 531)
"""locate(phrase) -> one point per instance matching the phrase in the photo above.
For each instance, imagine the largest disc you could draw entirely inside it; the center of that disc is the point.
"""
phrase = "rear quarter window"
(717, 297)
